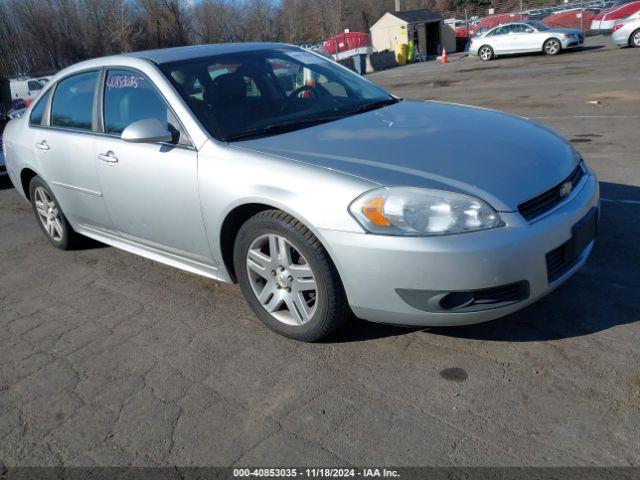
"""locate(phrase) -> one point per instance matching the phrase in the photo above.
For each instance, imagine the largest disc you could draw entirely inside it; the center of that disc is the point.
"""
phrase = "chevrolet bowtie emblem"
(565, 189)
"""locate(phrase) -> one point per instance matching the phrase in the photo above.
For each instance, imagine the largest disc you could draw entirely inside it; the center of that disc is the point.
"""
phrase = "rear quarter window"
(37, 113)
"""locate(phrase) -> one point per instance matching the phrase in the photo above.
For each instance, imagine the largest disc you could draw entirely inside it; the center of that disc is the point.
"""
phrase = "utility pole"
(398, 6)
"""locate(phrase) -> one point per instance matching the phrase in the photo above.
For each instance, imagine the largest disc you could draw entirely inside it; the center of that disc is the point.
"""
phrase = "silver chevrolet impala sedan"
(315, 190)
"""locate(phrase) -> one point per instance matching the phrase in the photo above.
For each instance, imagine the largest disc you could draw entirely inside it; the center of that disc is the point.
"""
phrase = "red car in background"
(571, 19)
(491, 21)
(604, 21)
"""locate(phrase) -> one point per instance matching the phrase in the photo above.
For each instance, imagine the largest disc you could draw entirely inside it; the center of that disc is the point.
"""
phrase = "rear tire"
(486, 53)
(634, 39)
(288, 278)
(552, 46)
(51, 219)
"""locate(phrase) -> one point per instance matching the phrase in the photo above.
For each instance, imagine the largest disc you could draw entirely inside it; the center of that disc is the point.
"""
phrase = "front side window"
(129, 97)
(269, 91)
(501, 30)
(72, 105)
(37, 113)
(519, 28)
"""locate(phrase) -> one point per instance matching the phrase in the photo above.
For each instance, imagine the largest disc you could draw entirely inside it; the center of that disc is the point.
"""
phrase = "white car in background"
(25, 88)
(523, 37)
(627, 32)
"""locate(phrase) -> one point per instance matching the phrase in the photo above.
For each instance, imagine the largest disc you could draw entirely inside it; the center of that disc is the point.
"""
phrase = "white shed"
(424, 27)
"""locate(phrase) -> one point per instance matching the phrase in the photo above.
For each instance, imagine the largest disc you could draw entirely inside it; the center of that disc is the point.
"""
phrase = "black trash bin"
(360, 64)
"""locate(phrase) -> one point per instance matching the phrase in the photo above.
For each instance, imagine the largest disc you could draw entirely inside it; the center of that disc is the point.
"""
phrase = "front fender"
(229, 177)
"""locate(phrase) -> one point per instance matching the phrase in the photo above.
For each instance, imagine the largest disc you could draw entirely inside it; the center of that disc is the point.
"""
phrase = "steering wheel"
(296, 93)
(303, 88)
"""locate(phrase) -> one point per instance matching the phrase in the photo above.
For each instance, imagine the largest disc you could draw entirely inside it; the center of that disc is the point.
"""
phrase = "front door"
(524, 38)
(501, 39)
(151, 190)
(64, 145)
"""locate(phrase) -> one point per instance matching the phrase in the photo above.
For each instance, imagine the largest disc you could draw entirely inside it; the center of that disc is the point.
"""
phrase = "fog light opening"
(456, 300)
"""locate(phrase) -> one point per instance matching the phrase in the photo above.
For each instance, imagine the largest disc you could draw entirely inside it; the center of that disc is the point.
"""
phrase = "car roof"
(168, 55)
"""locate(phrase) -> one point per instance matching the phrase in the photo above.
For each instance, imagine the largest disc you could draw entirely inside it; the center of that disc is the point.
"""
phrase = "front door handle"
(43, 145)
(108, 157)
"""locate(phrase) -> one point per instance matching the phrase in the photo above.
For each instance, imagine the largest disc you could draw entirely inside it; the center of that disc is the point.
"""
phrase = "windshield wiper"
(283, 127)
(367, 107)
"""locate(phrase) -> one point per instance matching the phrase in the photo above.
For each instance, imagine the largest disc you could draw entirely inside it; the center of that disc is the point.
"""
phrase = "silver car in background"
(524, 37)
(626, 33)
(317, 191)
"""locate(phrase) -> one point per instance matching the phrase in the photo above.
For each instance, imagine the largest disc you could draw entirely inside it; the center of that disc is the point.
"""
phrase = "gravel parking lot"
(110, 359)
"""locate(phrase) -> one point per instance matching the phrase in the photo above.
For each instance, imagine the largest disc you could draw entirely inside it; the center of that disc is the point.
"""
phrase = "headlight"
(421, 212)
(569, 35)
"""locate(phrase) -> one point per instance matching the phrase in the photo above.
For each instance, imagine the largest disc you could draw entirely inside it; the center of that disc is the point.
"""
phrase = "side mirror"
(150, 130)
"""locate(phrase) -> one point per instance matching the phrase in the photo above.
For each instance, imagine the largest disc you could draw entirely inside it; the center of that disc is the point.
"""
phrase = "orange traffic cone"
(444, 56)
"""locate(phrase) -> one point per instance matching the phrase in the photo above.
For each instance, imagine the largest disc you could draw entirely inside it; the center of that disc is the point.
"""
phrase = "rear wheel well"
(25, 179)
(229, 231)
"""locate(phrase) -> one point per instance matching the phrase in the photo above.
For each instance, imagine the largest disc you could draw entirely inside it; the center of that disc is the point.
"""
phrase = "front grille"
(546, 201)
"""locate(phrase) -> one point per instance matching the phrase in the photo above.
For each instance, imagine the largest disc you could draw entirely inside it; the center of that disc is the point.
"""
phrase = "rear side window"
(129, 96)
(37, 113)
(72, 105)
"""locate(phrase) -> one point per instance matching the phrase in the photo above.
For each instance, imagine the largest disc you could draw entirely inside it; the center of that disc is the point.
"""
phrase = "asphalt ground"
(110, 359)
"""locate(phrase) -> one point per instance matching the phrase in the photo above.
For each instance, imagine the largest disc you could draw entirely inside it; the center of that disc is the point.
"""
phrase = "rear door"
(63, 141)
(151, 189)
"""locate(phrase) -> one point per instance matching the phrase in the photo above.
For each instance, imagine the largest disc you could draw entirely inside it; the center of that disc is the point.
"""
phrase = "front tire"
(288, 278)
(51, 219)
(552, 46)
(486, 53)
(634, 39)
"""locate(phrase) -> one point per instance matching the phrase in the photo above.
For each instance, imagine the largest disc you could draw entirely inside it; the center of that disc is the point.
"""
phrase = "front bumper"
(375, 268)
(572, 42)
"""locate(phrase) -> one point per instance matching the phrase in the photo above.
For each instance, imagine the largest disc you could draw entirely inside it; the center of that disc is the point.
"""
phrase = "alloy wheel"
(48, 214)
(485, 53)
(552, 47)
(281, 279)
(636, 39)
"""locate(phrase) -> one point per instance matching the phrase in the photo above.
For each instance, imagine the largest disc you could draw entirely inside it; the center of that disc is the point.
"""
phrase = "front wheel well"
(26, 175)
(229, 231)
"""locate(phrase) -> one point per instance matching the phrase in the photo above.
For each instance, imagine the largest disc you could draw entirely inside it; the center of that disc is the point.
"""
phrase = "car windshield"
(264, 92)
(538, 25)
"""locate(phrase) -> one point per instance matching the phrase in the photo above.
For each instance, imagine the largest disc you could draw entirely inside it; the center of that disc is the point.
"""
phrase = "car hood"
(500, 158)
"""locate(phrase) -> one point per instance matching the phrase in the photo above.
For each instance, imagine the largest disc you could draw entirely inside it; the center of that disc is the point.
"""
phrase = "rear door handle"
(43, 145)
(108, 157)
